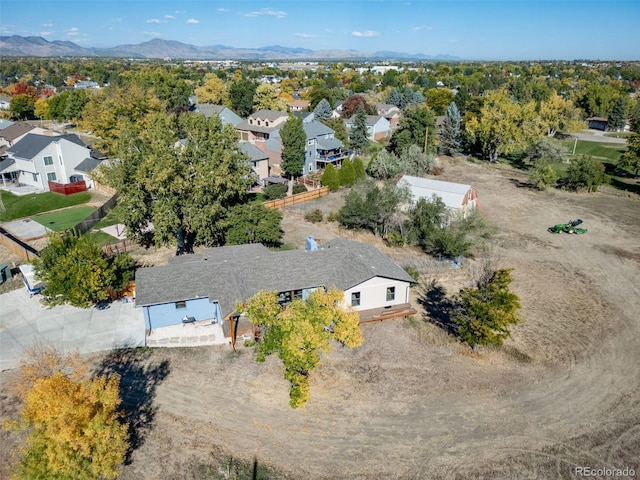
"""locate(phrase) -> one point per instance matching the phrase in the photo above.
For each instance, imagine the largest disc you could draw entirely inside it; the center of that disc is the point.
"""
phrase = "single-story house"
(5, 102)
(460, 199)
(207, 286)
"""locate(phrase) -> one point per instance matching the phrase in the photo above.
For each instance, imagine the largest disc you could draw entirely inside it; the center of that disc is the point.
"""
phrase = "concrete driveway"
(597, 136)
(24, 321)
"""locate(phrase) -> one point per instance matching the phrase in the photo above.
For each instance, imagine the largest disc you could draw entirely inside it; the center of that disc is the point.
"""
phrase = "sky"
(472, 29)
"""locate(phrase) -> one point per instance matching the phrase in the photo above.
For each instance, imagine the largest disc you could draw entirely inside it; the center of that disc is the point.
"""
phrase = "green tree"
(418, 121)
(543, 175)
(75, 270)
(484, 314)
(546, 150)
(384, 165)
(358, 166)
(183, 189)
(503, 125)
(294, 140)
(359, 137)
(618, 116)
(57, 106)
(74, 105)
(585, 173)
(339, 129)
(347, 173)
(253, 223)
(330, 178)
(560, 115)
(439, 99)
(414, 161)
(631, 158)
(323, 110)
(301, 331)
(75, 430)
(213, 90)
(22, 107)
(241, 94)
(266, 98)
(451, 134)
(274, 191)
(372, 207)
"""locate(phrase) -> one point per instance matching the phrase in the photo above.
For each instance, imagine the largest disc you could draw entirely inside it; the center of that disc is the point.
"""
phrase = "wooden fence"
(101, 212)
(298, 198)
(23, 250)
(68, 188)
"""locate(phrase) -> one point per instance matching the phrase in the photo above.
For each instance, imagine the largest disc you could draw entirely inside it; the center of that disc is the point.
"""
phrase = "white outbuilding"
(461, 200)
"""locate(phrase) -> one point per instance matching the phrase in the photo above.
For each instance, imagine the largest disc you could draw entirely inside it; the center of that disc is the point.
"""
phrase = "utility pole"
(574, 146)
(426, 135)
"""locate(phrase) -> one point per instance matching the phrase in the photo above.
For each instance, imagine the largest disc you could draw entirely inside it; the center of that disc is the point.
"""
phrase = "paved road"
(24, 322)
(597, 136)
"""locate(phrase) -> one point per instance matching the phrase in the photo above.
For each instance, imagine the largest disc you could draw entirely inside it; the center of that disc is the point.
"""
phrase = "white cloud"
(304, 35)
(169, 17)
(193, 21)
(223, 9)
(365, 33)
(73, 32)
(268, 12)
(48, 24)
(180, 12)
(151, 34)
(328, 30)
(421, 27)
(154, 20)
(45, 34)
(116, 19)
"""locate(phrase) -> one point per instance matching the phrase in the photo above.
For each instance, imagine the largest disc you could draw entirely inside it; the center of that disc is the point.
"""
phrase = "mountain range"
(18, 46)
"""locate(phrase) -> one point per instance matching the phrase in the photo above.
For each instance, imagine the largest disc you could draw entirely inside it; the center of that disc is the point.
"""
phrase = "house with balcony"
(41, 161)
(260, 125)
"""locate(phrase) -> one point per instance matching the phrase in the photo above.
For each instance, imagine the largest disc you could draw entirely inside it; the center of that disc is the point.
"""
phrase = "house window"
(266, 123)
(181, 304)
(35, 177)
(48, 160)
(391, 293)
(51, 176)
(310, 142)
(259, 122)
(355, 299)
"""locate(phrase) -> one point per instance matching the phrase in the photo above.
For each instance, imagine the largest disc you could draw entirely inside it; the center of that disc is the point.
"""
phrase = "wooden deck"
(386, 313)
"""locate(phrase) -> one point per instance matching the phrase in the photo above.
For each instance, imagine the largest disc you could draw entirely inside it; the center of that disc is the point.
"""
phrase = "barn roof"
(452, 194)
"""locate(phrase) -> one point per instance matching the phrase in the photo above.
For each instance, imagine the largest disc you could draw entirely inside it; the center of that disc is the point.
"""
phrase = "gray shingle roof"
(12, 132)
(236, 273)
(226, 115)
(329, 143)
(88, 164)
(32, 144)
(253, 152)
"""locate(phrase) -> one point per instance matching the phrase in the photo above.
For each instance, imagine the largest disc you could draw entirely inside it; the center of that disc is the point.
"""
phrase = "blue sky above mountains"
(494, 30)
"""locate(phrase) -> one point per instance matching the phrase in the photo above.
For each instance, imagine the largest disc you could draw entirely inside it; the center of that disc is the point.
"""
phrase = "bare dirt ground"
(413, 403)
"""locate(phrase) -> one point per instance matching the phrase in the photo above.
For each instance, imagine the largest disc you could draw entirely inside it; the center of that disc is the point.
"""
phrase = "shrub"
(334, 216)
(275, 191)
(585, 173)
(314, 216)
(395, 239)
(347, 173)
(330, 178)
(542, 176)
(413, 272)
(358, 166)
(299, 188)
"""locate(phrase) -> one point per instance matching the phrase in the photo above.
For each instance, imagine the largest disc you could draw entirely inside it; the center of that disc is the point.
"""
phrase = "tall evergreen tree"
(294, 140)
(450, 135)
(359, 137)
(323, 110)
(616, 118)
(347, 173)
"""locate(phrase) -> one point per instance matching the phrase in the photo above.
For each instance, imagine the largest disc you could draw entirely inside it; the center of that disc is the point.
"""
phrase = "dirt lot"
(413, 403)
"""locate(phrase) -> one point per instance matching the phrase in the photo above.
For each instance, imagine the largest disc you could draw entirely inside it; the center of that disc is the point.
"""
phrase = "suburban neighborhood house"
(207, 286)
(37, 160)
(461, 200)
(226, 115)
(378, 127)
(261, 124)
(12, 134)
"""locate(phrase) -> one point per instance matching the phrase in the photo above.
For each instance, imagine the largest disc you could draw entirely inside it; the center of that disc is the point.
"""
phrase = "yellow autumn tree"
(302, 330)
(75, 430)
(213, 90)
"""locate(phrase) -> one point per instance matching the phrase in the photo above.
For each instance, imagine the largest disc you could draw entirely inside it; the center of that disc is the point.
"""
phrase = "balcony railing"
(332, 157)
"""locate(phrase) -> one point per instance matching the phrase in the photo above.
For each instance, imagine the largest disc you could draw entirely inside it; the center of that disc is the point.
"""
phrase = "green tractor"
(570, 227)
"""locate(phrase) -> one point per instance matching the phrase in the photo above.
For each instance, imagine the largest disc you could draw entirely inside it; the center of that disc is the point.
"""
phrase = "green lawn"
(29, 205)
(602, 151)
(64, 219)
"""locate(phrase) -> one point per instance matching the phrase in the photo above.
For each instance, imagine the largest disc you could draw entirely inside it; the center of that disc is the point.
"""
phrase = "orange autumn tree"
(73, 423)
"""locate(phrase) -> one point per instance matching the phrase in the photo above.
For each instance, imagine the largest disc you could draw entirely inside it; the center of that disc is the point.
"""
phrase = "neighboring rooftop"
(15, 130)
(452, 194)
(32, 144)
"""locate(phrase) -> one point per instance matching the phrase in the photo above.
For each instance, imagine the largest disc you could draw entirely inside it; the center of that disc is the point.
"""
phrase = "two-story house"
(260, 125)
(378, 127)
(225, 114)
(37, 160)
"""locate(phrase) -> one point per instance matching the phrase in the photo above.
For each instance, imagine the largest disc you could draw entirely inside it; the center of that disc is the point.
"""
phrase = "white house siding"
(373, 293)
